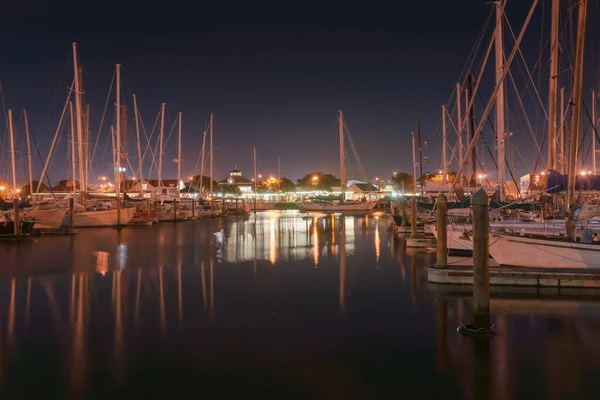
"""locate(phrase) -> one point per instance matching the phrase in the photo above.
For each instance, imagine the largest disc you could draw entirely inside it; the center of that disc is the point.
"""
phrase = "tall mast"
(563, 157)
(420, 157)
(28, 153)
(202, 162)
(86, 149)
(444, 144)
(73, 158)
(576, 110)
(118, 144)
(459, 128)
(473, 154)
(594, 132)
(211, 155)
(137, 133)
(160, 144)
(342, 157)
(12, 153)
(553, 84)
(500, 129)
(255, 179)
(414, 162)
(179, 155)
(78, 121)
(278, 175)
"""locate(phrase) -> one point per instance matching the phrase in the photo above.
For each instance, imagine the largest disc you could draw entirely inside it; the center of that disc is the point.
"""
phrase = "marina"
(268, 206)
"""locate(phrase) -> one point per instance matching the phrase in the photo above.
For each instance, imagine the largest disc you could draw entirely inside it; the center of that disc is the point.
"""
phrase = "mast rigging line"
(91, 161)
(494, 94)
(541, 103)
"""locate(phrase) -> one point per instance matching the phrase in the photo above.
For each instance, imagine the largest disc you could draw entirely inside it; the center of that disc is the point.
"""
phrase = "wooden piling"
(481, 260)
(403, 208)
(71, 206)
(16, 219)
(174, 211)
(413, 216)
(147, 210)
(193, 209)
(442, 231)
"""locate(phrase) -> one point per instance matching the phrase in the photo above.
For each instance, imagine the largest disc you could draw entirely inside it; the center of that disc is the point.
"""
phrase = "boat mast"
(594, 132)
(563, 156)
(459, 128)
(420, 157)
(87, 145)
(78, 122)
(576, 112)
(202, 162)
(28, 153)
(12, 154)
(255, 180)
(210, 155)
(470, 100)
(118, 143)
(444, 144)
(160, 145)
(179, 156)
(552, 87)
(73, 169)
(139, 148)
(342, 157)
(414, 162)
(500, 130)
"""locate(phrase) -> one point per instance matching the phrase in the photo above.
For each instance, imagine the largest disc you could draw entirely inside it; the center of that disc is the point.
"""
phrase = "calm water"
(279, 306)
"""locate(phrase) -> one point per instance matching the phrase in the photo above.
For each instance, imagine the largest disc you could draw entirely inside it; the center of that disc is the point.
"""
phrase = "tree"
(402, 180)
(195, 183)
(232, 190)
(273, 185)
(319, 181)
(286, 185)
(26, 192)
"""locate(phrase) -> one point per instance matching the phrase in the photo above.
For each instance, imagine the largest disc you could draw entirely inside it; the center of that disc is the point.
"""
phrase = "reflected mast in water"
(342, 258)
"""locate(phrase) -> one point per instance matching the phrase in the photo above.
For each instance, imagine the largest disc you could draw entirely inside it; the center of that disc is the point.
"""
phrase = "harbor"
(332, 202)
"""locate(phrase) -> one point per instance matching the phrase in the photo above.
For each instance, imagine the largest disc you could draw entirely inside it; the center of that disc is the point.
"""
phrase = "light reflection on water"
(277, 304)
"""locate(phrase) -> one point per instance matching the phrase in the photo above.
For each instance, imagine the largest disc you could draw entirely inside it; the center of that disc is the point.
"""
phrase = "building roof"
(128, 184)
(366, 187)
(237, 180)
(235, 170)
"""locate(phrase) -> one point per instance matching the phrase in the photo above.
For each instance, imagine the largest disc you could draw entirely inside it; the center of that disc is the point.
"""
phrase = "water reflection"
(359, 324)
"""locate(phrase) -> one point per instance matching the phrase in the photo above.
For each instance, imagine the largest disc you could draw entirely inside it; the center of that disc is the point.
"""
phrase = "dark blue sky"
(273, 74)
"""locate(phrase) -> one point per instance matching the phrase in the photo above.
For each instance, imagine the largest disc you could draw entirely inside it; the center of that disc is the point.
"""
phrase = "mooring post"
(17, 219)
(237, 208)
(442, 231)
(193, 209)
(413, 216)
(147, 210)
(481, 260)
(403, 208)
(174, 211)
(71, 206)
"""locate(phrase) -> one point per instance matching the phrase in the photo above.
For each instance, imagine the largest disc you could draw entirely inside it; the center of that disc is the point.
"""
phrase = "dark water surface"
(278, 307)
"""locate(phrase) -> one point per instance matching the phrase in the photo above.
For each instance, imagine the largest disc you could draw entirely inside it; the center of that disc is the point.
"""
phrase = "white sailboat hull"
(337, 207)
(101, 218)
(535, 252)
(457, 239)
(50, 218)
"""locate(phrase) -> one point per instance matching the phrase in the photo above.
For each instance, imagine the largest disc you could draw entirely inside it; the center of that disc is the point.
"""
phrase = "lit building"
(236, 178)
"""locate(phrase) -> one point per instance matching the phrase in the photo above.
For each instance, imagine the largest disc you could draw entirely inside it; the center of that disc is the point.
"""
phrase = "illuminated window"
(144, 186)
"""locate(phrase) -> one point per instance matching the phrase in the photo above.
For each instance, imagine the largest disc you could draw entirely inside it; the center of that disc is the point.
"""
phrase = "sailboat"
(113, 217)
(343, 205)
(8, 228)
(209, 210)
(561, 252)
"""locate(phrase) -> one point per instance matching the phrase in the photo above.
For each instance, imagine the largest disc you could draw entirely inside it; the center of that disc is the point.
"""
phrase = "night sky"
(273, 74)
